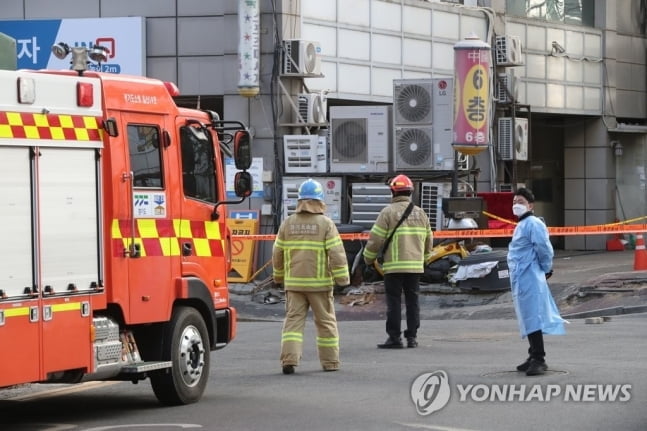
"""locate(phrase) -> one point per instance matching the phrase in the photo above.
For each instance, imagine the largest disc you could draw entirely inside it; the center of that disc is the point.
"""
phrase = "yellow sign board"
(242, 250)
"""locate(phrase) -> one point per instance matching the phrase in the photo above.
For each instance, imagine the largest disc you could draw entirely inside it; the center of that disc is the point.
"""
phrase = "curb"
(611, 311)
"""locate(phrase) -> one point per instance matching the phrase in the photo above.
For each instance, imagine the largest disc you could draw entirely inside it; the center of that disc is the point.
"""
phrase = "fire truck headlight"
(60, 50)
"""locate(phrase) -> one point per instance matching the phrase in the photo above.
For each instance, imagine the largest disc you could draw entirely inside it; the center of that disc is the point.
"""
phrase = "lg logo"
(430, 392)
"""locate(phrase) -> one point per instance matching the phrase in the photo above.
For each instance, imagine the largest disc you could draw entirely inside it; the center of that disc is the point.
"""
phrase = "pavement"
(584, 284)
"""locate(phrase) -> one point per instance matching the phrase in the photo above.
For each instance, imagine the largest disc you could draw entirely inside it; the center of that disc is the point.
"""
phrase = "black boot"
(391, 343)
(536, 364)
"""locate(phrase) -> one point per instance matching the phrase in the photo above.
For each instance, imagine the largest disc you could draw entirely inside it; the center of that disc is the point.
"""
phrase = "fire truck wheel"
(186, 344)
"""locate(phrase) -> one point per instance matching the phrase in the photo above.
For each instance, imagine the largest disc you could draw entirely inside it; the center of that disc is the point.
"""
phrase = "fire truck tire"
(186, 344)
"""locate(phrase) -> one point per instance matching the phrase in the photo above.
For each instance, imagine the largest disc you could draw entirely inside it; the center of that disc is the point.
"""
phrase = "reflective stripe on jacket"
(411, 244)
(308, 253)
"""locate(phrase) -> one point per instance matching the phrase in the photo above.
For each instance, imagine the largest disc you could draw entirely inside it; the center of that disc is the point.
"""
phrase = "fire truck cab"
(116, 252)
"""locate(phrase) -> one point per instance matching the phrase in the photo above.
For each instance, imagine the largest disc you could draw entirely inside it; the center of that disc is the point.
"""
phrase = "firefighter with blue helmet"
(309, 259)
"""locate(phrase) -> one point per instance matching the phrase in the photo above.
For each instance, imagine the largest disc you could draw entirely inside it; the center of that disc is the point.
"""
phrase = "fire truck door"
(153, 238)
(203, 253)
(19, 323)
(68, 253)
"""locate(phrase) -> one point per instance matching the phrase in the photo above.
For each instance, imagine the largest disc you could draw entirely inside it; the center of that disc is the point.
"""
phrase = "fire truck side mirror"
(243, 184)
(242, 150)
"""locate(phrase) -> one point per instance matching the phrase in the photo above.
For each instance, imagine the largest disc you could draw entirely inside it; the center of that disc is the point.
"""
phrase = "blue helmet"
(311, 189)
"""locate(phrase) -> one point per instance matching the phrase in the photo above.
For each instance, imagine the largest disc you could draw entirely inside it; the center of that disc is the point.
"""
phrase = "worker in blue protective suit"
(530, 262)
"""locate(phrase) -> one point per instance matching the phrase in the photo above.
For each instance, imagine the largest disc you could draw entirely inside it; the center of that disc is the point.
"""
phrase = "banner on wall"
(123, 37)
(471, 96)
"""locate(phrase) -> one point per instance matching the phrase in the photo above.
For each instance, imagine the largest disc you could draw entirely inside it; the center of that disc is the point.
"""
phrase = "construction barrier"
(605, 229)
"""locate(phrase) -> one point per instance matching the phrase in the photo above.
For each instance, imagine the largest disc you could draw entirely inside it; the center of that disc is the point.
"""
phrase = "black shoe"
(390, 343)
(536, 368)
(288, 369)
(524, 367)
(412, 342)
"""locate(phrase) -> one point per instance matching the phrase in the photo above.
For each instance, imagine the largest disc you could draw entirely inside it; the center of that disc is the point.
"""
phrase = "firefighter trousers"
(323, 311)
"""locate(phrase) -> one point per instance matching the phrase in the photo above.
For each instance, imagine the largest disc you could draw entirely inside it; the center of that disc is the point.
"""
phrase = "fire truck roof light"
(172, 88)
(26, 90)
(84, 94)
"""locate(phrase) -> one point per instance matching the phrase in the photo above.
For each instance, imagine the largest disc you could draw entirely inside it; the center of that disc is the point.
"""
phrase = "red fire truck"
(115, 253)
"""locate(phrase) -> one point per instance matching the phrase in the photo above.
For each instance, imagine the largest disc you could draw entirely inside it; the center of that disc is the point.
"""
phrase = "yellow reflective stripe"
(14, 119)
(14, 312)
(66, 121)
(212, 229)
(202, 247)
(90, 122)
(340, 272)
(170, 246)
(81, 134)
(182, 228)
(328, 342)
(116, 231)
(147, 228)
(379, 231)
(330, 243)
(69, 306)
(292, 336)
(31, 132)
(299, 282)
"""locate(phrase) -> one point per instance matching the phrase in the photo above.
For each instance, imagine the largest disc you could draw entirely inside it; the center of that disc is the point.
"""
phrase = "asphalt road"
(596, 381)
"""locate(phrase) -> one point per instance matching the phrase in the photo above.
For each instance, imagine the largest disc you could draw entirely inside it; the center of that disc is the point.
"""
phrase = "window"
(198, 168)
(579, 12)
(145, 156)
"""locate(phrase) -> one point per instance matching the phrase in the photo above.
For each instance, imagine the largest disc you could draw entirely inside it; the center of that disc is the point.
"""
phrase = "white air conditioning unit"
(508, 51)
(412, 101)
(367, 200)
(332, 196)
(301, 57)
(359, 139)
(304, 154)
(413, 148)
(431, 201)
(513, 139)
(506, 87)
(312, 108)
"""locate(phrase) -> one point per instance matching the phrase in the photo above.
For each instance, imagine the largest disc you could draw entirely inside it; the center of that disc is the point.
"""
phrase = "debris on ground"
(361, 295)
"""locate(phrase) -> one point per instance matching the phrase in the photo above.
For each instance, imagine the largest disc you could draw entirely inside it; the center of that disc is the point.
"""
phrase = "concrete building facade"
(582, 85)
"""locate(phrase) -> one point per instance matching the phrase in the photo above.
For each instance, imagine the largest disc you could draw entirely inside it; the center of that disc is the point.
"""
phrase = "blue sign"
(122, 37)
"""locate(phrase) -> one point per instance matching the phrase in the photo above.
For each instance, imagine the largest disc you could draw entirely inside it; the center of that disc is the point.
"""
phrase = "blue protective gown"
(530, 257)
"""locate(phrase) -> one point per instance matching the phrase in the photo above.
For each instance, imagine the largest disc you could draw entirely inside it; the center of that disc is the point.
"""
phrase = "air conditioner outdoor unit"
(513, 139)
(367, 200)
(312, 107)
(413, 148)
(412, 101)
(332, 196)
(301, 57)
(359, 139)
(506, 87)
(305, 153)
(508, 51)
(431, 197)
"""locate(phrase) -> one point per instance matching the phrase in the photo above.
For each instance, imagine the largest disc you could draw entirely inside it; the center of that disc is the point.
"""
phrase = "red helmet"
(401, 183)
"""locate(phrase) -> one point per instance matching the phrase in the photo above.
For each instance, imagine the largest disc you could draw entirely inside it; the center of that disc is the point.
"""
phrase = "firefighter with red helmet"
(403, 259)
(309, 258)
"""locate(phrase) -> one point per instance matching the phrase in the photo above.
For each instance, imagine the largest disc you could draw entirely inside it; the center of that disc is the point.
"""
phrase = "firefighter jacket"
(308, 253)
(411, 244)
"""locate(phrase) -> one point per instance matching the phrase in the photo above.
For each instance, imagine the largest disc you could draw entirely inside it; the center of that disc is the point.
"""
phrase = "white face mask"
(519, 209)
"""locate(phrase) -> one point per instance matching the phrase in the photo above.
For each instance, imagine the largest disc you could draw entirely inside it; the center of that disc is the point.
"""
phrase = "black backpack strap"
(405, 214)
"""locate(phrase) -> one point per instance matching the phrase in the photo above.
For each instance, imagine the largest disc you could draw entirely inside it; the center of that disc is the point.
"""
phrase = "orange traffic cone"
(640, 256)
